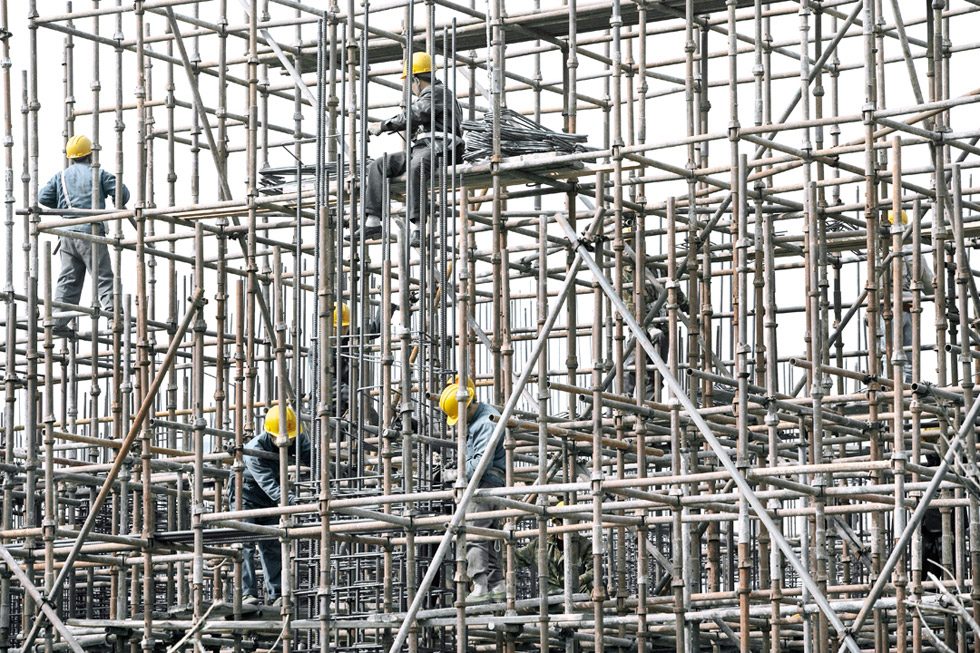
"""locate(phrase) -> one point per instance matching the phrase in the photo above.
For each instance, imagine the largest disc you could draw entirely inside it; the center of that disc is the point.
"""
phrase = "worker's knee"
(421, 159)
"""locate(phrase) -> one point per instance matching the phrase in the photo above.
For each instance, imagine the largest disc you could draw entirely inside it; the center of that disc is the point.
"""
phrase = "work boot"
(498, 592)
(250, 599)
(370, 229)
(277, 603)
(414, 234)
(480, 593)
(62, 331)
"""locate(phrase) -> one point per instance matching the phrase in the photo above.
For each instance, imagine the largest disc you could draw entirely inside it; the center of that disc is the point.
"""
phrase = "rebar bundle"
(518, 136)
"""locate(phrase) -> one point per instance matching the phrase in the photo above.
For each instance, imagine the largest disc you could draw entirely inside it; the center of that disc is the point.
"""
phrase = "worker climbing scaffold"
(261, 488)
(482, 558)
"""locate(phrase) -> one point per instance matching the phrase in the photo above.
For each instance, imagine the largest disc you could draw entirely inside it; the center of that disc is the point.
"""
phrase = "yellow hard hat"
(78, 146)
(556, 519)
(450, 405)
(343, 317)
(272, 422)
(891, 217)
(421, 63)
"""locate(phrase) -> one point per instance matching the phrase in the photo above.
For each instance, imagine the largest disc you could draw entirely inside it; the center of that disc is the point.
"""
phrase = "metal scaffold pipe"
(711, 261)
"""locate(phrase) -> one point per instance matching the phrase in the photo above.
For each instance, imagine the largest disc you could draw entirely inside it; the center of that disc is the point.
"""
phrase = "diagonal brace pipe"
(46, 607)
(117, 465)
(920, 512)
(716, 446)
(219, 163)
(498, 432)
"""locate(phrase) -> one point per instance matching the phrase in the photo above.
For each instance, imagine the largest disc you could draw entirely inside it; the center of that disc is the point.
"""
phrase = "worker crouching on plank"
(72, 189)
(482, 557)
(435, 118)
(261, 489)
(580, 555)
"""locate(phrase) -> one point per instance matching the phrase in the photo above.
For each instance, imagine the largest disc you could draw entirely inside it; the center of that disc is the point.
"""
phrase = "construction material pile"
(518, 135)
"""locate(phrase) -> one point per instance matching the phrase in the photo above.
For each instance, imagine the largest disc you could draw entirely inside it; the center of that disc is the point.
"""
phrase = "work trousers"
(906, 318)
(418, 166)
(270, 554)
(482, 556)
(76, 258)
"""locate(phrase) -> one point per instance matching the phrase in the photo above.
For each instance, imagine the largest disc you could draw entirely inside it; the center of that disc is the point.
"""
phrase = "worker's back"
(77, 190)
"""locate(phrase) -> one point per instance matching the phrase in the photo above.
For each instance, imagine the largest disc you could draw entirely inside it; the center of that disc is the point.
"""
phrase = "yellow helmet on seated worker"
(891, 217)
(421, 64)
(450, 405)
(556, 519)
(78, 146)
(272, 422)
(343, 318)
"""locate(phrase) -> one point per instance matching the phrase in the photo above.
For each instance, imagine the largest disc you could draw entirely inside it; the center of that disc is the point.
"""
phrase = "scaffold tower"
(651, 190)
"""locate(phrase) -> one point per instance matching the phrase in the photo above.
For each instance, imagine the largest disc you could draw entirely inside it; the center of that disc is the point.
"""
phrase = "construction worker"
(261, 489)
(926, 283)
(347, 348)
(341, 368)
(482, 558)
(436, 122)
(72, 189)
(580, 556)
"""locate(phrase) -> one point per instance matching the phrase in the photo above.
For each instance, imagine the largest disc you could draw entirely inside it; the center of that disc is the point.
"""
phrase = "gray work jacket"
(78, 184)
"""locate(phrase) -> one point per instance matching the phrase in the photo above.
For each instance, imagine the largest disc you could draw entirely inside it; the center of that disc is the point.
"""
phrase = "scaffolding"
(748, 166)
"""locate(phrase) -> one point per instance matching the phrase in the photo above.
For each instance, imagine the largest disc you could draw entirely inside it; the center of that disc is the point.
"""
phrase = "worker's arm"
(109, 189)
(476, 445)
(264, 473)
(49, 194)
(586, 578)
(420, 111)
(527, 555)
(926, 277)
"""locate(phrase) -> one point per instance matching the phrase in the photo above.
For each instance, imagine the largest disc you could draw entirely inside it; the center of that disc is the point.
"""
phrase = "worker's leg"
(248, 570)
(479, 552)
(378, 171)
(103, 274)
(71, 277)
(907, 344)
(482, 556)
(418, 175)
(270, 553)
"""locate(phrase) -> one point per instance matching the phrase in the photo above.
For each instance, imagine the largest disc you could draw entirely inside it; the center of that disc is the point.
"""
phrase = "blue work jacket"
(478, 432)
(260, 480)
(78, 180)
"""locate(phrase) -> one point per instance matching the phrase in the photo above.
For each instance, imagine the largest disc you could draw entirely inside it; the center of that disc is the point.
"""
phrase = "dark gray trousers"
(482, 556)
(392, 166)
(76, 258)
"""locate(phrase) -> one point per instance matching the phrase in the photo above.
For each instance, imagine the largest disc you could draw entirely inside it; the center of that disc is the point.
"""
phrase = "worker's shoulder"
(261, 441)
(485, 410)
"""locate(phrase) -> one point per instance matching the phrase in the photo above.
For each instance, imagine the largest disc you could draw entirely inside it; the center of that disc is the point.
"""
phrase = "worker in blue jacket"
(72, 189)
(261, 489)
(482, 558)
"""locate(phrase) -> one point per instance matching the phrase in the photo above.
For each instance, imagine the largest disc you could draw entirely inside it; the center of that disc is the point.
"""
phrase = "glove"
(450, 475)
(374, 129)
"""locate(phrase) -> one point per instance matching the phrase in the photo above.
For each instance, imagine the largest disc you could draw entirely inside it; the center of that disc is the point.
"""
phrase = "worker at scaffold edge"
(261, 489)
(482, 557)
(435, 118)
(75, 188)
(346, 351)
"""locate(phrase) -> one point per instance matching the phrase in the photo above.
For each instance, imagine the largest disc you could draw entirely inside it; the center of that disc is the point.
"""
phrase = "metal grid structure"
(740, 486)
